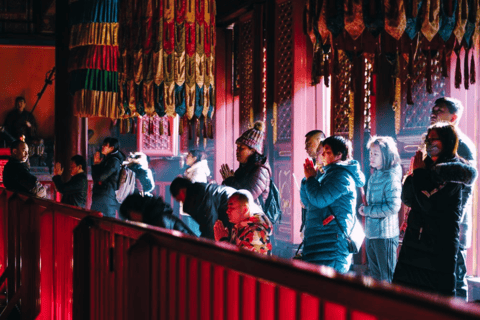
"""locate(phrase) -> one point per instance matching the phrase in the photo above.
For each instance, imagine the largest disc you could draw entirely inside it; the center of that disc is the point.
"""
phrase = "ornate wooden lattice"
(283, 180)
(245, 55)
(341, 100)
(416, 117)
(285, 71)
(156, 135)
(368, 92)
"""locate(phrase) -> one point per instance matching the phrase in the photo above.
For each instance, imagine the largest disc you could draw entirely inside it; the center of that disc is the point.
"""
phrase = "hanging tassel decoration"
(472, 70)
(466, 76)
(150, 126)
(458, 71)
(198, 128)
(190, 130)
(409, 92)
(376, 59)
(428, 73)
(161, 130)
(210, 130)
(317, 68)
(326, 72)
(180, 126)
(444, 63)
(336, 64)
(396, 75)
(205, 128)
(409, 77)
(353, 73)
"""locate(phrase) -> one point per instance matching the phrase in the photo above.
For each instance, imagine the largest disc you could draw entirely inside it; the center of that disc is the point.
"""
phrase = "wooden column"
(70, 131)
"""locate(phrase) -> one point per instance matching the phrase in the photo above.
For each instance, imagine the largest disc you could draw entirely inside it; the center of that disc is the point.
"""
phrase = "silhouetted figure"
(74, 191)
(153, 211)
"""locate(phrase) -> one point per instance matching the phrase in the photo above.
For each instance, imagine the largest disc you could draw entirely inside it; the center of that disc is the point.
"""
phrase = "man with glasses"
(449, 109)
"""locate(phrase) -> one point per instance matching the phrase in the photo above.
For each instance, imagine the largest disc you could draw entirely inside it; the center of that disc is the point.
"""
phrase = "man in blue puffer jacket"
(328, 196)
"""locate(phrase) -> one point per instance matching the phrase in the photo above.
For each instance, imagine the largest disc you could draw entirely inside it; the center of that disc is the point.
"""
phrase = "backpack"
(272, 207)
(126, 183)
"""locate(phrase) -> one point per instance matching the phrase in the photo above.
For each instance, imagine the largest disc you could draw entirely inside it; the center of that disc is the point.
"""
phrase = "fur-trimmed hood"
(456, 172)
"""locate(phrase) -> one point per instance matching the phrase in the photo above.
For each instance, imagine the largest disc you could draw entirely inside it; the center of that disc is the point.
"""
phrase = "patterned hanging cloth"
(209, 76)
(354, 18)
(373, 16)
(149, 43)
(448, 11)
(199, 58)
(169, 57)
(430, 19)
(157, 57)
(322, 23)
(412, 9)
(310, 19)
(395, 18)
(190, 58)
(93, 58)
(471, 23)
(461, 15)
(180, 28)
(334, 14)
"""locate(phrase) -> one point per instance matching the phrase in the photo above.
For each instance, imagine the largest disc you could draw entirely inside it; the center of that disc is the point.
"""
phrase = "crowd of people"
(437, 190)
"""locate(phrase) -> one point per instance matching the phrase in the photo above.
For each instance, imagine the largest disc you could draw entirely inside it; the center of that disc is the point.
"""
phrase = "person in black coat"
(204, 202)
(16, 173)
(153, 211)
(105, 174)
(254, 172)
(74, 191)
(434, 191)
(20, 122)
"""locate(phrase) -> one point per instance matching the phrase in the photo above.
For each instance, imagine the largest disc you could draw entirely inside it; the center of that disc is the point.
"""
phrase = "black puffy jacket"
(207, 203)
(428, 254)
(154, 212)
(105, 174)
(253, 176)
(17, 177)
(74, 191)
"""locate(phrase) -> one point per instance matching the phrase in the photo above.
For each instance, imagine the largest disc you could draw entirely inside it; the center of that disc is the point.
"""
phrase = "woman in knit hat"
(254, 173)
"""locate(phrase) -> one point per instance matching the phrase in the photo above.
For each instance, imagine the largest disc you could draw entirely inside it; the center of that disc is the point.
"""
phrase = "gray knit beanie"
(253, 138)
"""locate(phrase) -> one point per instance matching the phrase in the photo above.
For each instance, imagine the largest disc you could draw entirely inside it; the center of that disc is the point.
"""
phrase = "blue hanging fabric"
(414, 24)
(199, 101)
(180, 106)
(447, 22)
(211, 108)
(470, 27)
(159, 99)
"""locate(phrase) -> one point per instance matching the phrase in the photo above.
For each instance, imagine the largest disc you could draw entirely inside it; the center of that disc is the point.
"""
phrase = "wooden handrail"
(165, 272)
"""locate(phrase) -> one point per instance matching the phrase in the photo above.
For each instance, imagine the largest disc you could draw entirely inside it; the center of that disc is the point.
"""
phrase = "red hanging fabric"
(466, 77)
(472, 69)
(458, 71)
(326, 71)
(181, 126)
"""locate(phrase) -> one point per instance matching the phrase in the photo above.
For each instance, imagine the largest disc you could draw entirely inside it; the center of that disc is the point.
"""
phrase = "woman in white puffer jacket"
(198, 170)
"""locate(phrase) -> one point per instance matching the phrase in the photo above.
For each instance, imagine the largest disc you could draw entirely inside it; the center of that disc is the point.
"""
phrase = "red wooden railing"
(100, 268)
